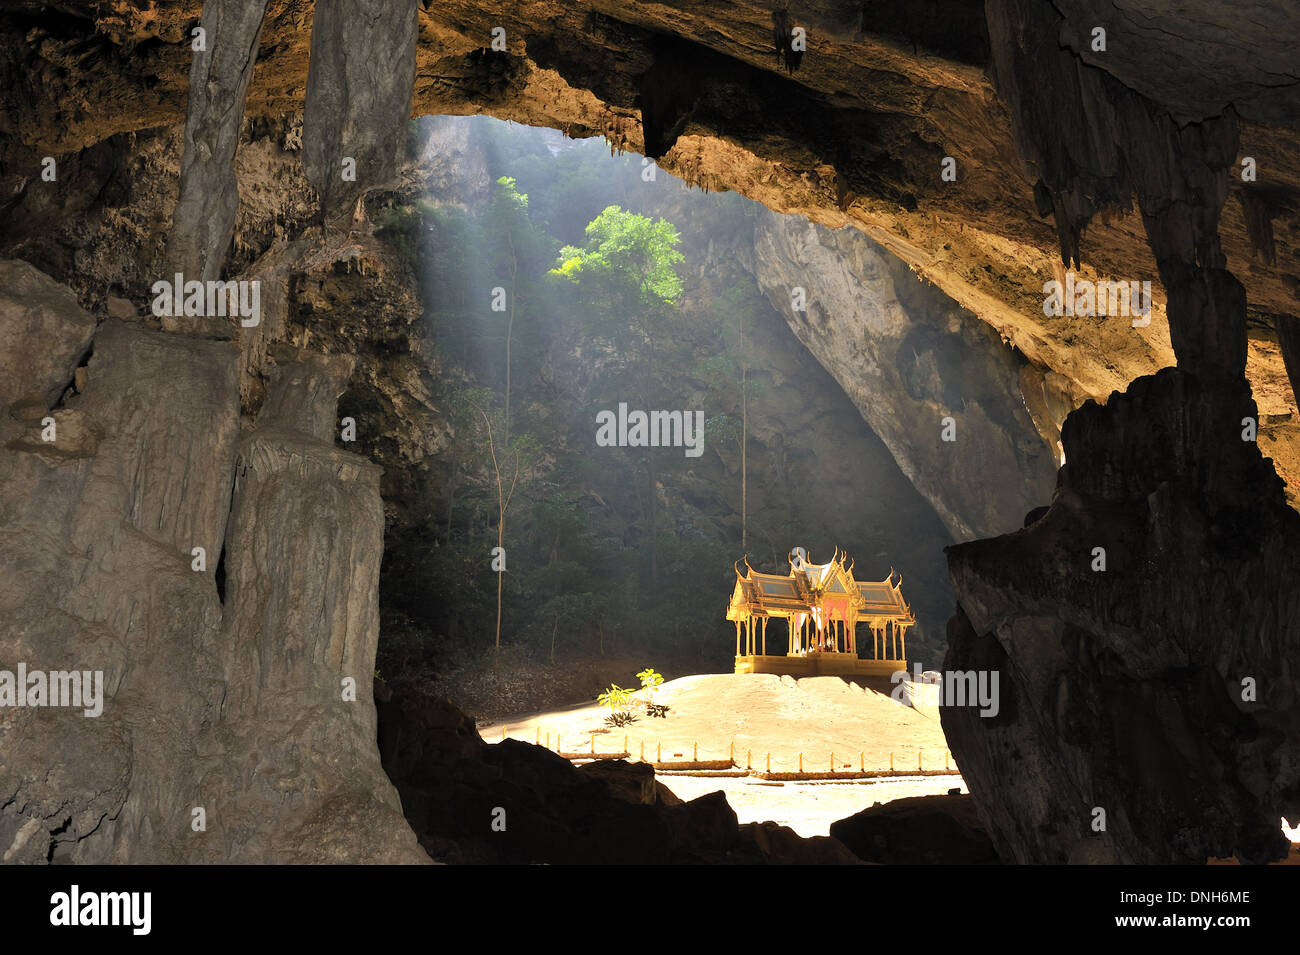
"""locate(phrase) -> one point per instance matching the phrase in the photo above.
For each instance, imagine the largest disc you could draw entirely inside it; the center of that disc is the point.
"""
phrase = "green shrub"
(616, 697)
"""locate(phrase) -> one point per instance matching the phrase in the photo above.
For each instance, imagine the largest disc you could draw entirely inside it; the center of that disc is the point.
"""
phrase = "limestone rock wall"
(909, 357)
(1128, 689)
(234, 706)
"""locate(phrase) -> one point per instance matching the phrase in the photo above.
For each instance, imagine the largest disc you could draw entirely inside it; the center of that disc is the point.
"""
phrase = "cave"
(279, 532)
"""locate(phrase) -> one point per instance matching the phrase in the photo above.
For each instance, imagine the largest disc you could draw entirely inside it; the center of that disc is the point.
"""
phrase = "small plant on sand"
(620, 718)
(650, 681)
(617, 698)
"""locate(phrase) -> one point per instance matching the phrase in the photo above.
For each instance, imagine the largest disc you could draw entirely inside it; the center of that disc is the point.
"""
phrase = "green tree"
(627, 270)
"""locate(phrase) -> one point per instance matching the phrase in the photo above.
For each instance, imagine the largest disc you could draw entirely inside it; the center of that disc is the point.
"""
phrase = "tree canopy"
(630, 255)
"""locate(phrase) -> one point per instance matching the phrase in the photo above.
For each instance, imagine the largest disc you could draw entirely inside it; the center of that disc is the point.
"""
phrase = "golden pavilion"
(822, 605)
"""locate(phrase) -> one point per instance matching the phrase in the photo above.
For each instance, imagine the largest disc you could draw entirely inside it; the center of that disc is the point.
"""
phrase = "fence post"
(769, 763)
(749, 759)
(643, 751)
(891, 762)
(695, 752)
(659, 752)
(801, 762)
(832, 761)
(862, 762)
(918, 761)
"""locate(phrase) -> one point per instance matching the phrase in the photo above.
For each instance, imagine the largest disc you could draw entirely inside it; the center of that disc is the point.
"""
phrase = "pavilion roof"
(810, 584)
(884, 599)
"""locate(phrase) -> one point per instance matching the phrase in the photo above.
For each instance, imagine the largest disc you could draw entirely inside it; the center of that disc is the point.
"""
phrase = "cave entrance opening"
(561, 279)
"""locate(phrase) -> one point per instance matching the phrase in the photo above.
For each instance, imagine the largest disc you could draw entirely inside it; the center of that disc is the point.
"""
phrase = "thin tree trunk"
(654, 525)
(744, 462)
(654, 496)
(510, 329)
(503, 502)
(451, 500)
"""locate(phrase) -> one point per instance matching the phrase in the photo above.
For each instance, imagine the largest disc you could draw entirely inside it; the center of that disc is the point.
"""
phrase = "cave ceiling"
(853, 134)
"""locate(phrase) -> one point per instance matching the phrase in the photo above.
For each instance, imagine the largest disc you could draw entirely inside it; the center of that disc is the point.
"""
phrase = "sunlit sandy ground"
(758, 714)
(756, 717)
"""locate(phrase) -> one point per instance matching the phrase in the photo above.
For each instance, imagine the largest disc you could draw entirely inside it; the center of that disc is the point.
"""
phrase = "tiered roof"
(808, 586)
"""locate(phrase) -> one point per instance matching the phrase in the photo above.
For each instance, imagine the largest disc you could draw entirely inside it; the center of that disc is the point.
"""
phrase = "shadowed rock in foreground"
(922, 830)
(1128, 690)
(454, 785)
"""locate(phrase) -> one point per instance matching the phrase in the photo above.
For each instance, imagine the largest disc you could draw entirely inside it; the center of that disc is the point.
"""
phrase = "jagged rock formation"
(909, 83)
(1127, 689)
(45, 334)
(1131, 620)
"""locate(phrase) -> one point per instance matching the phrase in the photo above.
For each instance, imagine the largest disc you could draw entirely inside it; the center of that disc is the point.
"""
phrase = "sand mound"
(760, 714)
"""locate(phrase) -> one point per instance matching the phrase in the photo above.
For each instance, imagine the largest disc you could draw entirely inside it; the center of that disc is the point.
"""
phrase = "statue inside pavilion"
(822, 605)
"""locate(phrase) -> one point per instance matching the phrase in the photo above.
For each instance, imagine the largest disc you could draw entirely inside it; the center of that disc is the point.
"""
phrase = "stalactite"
(204, 217)
(355, 115)
(1259, 214)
